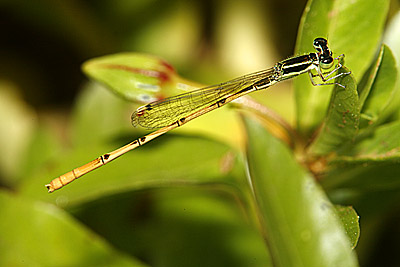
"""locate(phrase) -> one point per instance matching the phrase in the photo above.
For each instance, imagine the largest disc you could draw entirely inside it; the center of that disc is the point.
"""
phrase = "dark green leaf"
(341, 122)
(382, 145)
(350, 221)
(299, 221)
(375, 100)
(365, 85)
(195, 219)
(359, 177)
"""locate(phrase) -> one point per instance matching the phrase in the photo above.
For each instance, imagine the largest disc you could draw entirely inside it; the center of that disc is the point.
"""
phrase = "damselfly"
(172, 112)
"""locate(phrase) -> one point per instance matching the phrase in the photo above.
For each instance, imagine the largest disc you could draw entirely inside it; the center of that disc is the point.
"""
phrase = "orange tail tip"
(54, 185)
(50, 188)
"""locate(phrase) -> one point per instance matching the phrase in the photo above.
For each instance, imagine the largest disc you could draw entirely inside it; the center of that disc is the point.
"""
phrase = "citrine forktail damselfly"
(172, 112)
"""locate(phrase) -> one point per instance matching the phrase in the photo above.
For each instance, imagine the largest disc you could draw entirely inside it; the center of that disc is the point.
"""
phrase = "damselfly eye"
(326, 61)
(319, 43)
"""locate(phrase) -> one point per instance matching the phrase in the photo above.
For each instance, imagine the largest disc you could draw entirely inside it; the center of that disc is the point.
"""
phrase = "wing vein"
(167, 111)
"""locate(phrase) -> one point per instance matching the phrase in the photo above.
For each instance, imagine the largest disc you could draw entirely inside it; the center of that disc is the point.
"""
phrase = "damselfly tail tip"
(50, 188)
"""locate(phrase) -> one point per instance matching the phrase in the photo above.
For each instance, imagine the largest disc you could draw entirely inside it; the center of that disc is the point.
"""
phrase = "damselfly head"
(321, 45)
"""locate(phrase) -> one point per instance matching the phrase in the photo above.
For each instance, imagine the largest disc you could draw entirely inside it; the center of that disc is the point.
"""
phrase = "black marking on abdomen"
(295, 69)
(262, 83)
(137, 141)
(296, 60)
(221, 102)
(244, 90)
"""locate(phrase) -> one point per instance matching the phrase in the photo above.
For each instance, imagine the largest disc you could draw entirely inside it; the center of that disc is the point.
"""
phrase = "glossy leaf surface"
(300, 223)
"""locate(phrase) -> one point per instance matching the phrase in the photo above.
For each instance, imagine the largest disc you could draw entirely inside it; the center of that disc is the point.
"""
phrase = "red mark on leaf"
(167, 65)
(162, 76)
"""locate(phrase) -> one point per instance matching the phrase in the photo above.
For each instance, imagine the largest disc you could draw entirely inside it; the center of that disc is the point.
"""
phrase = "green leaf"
(136, 77)
(350, 221)
(38, 234)
(374, 100)
(372, 202)
(195, 219)
(392, 39)
(341, 122)
(351, 182)
(370, 164)
(382, 145)
(353, 28)
(365, 85)
(300, 223)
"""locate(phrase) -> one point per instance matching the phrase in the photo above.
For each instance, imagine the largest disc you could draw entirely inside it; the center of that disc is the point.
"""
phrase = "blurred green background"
(45, 42)
(53, 119)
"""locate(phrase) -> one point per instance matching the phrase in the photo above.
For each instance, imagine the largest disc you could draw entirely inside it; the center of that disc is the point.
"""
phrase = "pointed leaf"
(350, 221)
(341, 122)
(300, 223)
(365, 85)
(392, 39)
(382, 91)
(136, 77)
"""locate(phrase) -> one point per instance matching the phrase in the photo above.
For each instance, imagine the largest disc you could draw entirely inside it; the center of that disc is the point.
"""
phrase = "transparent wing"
(167, 111)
